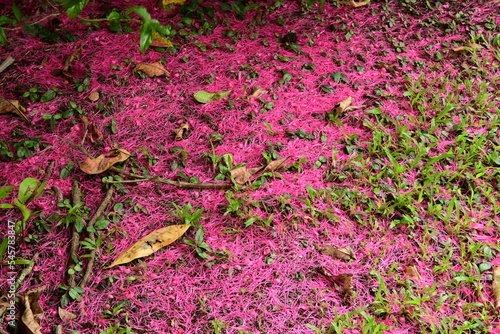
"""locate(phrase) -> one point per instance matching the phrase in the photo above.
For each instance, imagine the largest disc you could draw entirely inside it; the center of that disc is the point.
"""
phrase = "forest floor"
(349, 160)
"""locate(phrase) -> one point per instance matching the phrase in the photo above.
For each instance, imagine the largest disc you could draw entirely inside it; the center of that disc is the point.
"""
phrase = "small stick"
(98, 213)
(59, 195)
(25, 272)
(157, 179)
(6, 63)
(76, 197)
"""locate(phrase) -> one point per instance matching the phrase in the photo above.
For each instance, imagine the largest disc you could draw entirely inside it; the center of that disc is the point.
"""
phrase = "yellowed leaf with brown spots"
(151, 243)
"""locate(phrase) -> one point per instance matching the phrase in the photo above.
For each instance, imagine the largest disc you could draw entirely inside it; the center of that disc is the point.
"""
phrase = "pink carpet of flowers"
(260, 278)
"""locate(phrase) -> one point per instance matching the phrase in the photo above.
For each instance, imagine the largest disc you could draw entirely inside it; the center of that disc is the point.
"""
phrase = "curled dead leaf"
(65, 316)
(275, 165)
(257, 91)
(354, 4)
(340, 107)
(33, 313)
(4, 303)
(94, 96)
(243, 174)
(411, 271)
(344, 280)
(181, 131)
(11, 106)
(152, 69)
(496, 286)
(68, 63)
(388, 67)
(103, 162)
(344, 253)
(151, 243)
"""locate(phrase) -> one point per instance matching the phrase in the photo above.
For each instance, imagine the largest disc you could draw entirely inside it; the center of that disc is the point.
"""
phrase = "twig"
(179, 184)
(6, 63)
(98, 213)
(157, 179)
(25, 272)
(42, 19)
(76, 197)
(58, 192)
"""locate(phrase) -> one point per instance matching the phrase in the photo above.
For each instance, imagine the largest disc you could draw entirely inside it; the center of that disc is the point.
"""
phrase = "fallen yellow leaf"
(151, 243)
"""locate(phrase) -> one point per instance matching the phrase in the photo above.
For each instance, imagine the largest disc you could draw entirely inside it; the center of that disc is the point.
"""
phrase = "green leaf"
(74, 7)
(27, 187)
(101, 224)
(49, 95)
(6, 20)
(206, 97)
(24, 210)
(3, 37)
(141, 11)
(113, 16)
(146, 36)
(3, 247)
(6, 206)
(199, 235)
(17, 12)
(79, 224)
(5, 191)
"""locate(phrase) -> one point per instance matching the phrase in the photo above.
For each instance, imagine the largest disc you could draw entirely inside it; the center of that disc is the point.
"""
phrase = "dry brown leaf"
(33, 313)
(65, 316)
(4, 303)
(11, 106)
(354, 4)
(151, 243)
(496, 286)
(243, 174)
(275, 165)
(103, 162)
(152, 69)
(94, 96)
(340, 107)
(344, 253)
(468, 48)
(257, 91)
(344, 280)
(95, 135)
(181, 131)
(388, 67)
(412, 271)
(68, 63)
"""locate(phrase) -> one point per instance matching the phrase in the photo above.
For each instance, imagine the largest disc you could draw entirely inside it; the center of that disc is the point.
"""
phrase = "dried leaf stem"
(76, 197)
(98, 213)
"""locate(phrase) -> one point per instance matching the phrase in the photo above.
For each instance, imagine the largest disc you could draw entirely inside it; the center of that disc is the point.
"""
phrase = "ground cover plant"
(250, 167)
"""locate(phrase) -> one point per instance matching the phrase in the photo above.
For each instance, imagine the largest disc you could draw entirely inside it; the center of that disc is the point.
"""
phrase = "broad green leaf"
(3, 37)
(27, 187)
(6, 206)
(146, 36)
(113, 16)
(24, 210)
(6, 20)
(5, 191)
(141, 11)
(206, 97)
(17, 12)
(49, 95)
(74, 7)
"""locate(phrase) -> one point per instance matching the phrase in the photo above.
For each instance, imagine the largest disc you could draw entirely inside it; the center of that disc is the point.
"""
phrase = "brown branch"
(179, 184)
(76, 197)
(98, 213)
(25, 272)
(157, 179)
